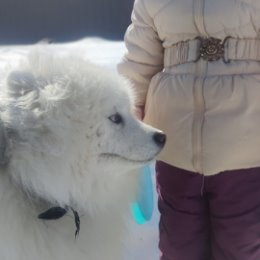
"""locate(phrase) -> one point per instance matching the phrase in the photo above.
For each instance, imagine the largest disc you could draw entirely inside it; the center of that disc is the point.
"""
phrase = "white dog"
(68, 139)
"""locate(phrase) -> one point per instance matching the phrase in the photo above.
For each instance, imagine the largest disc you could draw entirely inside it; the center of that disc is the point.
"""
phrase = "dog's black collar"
(59, 212)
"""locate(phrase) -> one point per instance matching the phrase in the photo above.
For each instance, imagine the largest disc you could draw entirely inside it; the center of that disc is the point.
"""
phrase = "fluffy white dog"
(68, 142)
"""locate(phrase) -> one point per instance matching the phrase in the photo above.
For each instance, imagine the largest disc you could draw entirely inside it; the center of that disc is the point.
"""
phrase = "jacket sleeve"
(144, 57)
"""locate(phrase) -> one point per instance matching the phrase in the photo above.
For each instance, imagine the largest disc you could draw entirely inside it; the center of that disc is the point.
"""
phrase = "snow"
(143, 239)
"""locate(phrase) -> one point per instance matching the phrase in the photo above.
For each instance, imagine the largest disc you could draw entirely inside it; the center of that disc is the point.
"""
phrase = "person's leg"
(184, 214)
(234, 199)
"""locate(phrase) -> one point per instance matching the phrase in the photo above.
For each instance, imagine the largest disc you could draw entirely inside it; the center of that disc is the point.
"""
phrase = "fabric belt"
(212, 49)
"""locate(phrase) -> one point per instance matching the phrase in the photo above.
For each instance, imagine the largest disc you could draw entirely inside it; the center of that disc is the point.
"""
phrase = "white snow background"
(143, 239)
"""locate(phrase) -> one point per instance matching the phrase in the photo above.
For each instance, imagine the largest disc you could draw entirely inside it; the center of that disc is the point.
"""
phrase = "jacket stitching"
(173, 74)
(161, 9)
(152, 25)
(239, 27)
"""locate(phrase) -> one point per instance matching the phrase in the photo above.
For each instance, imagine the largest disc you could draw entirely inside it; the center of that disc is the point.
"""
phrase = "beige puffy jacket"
(210, 110)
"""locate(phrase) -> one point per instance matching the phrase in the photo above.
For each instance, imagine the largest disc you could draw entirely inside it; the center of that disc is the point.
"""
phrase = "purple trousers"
(209, 217)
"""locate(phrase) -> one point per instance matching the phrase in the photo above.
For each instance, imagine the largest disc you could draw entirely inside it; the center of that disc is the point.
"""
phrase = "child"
(195, 68)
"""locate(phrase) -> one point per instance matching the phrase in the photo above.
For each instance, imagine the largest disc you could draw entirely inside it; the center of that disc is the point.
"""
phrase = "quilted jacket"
(209, 109)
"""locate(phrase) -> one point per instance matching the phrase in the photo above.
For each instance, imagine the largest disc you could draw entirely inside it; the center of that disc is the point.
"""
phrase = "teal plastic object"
(142, 208)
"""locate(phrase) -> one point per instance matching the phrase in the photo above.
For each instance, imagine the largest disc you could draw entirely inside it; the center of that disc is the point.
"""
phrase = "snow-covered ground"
(143, 239)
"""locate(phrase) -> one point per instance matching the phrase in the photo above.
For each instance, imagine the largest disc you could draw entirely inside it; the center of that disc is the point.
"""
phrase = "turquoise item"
(142, 208)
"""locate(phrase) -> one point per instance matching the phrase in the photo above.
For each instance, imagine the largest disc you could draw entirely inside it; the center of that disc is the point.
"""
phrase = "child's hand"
(139, 112)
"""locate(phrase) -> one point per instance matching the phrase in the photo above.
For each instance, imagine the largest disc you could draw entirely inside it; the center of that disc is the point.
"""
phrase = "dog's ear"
(4, 145)
(20, 83)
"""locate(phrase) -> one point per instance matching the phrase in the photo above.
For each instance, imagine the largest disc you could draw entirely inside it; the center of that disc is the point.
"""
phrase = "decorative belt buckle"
(212, 49)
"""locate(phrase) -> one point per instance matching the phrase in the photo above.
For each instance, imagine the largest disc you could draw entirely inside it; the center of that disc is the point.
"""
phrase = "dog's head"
(69, 130)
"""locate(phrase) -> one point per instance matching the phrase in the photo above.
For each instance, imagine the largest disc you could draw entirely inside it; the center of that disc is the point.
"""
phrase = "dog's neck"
(57, 212)
(52, 212)
(25, 235)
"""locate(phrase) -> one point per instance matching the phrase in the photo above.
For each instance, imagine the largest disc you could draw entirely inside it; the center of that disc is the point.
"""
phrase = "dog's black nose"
(159, 138)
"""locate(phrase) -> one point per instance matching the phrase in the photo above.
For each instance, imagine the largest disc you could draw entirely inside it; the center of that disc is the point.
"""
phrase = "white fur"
(54, 129)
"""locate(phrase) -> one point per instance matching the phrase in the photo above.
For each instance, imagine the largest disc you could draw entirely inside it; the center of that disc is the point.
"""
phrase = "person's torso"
(179, 20)
(210, 110)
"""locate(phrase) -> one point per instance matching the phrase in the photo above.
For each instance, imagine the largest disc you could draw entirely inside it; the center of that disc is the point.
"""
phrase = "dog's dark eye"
(116, 119)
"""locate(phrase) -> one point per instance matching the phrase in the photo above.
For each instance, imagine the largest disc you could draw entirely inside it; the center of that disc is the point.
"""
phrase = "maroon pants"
(209, 218)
